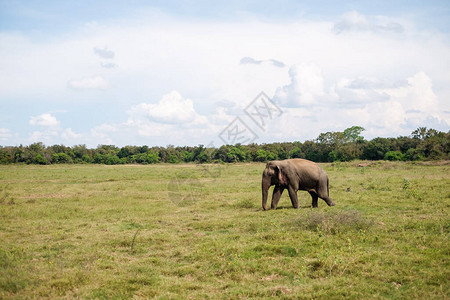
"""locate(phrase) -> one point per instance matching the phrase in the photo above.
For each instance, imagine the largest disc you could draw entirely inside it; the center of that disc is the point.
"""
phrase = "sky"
(186, 73)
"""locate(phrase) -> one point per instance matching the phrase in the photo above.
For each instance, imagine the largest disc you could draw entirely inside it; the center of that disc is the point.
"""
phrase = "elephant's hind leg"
(323, 194)
(326, 198)
(329, 201)
(314, 199)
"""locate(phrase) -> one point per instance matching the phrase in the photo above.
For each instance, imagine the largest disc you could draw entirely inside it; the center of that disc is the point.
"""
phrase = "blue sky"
(179, 72)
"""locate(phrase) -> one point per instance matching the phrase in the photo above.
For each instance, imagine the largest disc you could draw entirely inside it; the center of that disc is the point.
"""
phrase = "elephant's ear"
(282, 178)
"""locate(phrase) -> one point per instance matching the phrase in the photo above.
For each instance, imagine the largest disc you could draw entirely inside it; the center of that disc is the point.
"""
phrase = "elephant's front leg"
(293, 196)
(277, 191)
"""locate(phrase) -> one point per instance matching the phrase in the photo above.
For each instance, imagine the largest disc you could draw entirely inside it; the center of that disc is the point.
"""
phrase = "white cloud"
(47, 136)
(104, 53)
(383, 108)
(102, 134)
(69, 135)
(94, 82)
(50, 131)
(306, 86)
(49, 128)
(172, 109)
(44, 120)
(416, 95)
(108, 65)
(251, 61)
(5, 134)
(172, 120)
(357, 92)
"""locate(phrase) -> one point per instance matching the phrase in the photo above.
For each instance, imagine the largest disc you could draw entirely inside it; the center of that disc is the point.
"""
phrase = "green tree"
(99, 158)
(353, 134)
(377, 148)
(237, 153)
(6, 155)
(188, 155)
(221, 154)
(200, 154)
(423, 133)
(331, 138)
(149, 157)
(297, 152)
(172, 159)
(329, 142)
(33, 154)
(87, 159)
(313, 152)
(80, 154)
(60, 158)
(264, 155)
(124, 152)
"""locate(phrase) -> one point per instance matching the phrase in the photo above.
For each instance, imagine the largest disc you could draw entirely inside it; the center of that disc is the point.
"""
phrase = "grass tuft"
(334, 222)
(244, 203)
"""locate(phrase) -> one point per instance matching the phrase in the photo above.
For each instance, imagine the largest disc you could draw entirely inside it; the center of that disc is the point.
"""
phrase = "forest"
(422, 144)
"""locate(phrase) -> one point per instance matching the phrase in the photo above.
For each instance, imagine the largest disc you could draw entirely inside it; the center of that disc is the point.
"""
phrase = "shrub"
(413, 154)
(394, 156)
(39, 159)
(112, 160)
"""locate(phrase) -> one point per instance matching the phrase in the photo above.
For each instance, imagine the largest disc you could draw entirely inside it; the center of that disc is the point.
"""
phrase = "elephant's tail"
(328, 187)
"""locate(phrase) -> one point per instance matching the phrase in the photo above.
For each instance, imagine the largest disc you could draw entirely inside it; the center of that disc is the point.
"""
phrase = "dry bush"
(335, 222)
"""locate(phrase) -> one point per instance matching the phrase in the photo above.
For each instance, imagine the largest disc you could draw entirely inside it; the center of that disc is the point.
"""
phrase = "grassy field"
(198, 231)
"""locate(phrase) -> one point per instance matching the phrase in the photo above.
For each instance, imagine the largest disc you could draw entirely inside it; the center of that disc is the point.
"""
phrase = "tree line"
(422, 144)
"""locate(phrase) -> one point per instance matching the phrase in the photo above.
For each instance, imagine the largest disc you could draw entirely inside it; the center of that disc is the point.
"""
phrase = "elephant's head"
(274, 174)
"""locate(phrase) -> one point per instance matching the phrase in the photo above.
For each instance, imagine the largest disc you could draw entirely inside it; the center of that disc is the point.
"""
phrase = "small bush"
(39, 160)
(414, 154)
(394, 156)
(406, 184)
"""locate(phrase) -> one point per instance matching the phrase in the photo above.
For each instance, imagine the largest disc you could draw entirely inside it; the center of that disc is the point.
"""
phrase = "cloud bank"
(182, 82)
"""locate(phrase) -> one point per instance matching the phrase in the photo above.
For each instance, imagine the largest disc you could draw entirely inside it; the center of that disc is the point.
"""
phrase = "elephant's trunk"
(265, 185)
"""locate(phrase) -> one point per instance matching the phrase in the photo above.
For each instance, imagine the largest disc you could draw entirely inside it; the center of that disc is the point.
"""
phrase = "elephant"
(295, 174)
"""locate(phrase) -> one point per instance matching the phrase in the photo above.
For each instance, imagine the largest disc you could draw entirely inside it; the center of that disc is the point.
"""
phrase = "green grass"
(189, 231)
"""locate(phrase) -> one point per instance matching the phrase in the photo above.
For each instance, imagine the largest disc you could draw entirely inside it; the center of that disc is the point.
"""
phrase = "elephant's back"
(304, 163)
